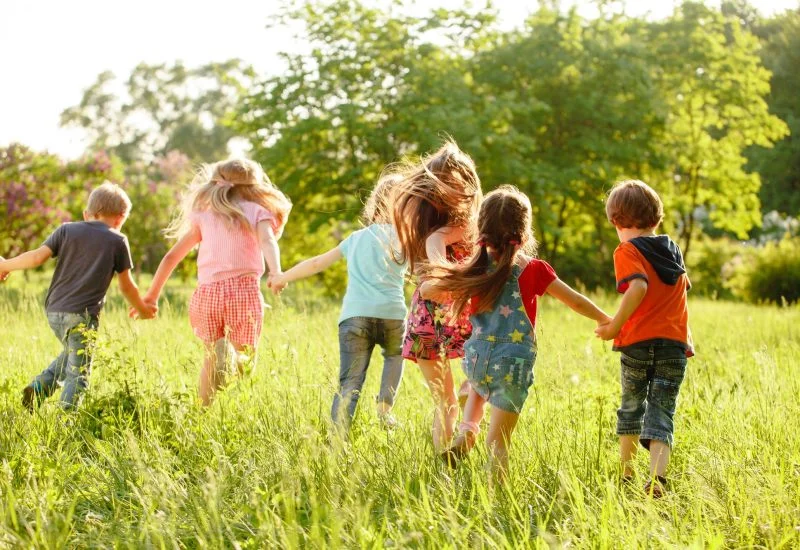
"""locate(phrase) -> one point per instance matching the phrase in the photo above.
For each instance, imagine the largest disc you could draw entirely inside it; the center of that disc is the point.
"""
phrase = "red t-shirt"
(533, 282)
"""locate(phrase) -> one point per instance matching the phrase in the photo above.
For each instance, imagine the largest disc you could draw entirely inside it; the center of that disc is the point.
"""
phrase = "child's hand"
(606, 331)
(3, 274)
(150, 312)
(276, 283)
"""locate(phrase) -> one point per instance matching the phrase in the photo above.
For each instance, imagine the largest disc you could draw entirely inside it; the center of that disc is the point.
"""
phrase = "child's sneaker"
(459, 449)
(388, 421)
(30, 395)
(656, 487)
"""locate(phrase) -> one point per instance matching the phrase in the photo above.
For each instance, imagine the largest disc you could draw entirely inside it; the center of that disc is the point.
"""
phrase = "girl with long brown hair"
(434, 209)
(500, 285)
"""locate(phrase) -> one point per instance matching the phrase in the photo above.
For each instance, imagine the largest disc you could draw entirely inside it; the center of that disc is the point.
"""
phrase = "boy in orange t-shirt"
(650, 329)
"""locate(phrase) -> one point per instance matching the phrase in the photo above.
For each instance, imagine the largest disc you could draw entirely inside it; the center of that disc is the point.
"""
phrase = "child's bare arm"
(26, 260)
(269, 247)
(576, 301)
(436, 243)
(307, 268)
(131, 293)
(170, 261)
(630, 301)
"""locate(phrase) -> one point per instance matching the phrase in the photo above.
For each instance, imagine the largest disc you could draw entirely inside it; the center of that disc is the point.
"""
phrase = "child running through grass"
(236, 216)
(373, 308)
(500, 283)
(88, 254)
(650, 328)
(434, 209)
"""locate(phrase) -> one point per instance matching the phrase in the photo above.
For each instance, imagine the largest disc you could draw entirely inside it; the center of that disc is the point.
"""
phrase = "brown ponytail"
(504, 226)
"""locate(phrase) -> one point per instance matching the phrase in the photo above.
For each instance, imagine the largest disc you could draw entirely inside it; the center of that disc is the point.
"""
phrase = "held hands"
(150, 311)
(276, 283)
(606, 329)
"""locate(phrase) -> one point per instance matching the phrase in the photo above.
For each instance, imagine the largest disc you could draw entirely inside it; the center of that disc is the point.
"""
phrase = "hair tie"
(513, 243)
(482, 243)
(223, 183)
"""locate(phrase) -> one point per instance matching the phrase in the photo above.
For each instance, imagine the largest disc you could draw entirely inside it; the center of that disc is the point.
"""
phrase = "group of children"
(473, 258)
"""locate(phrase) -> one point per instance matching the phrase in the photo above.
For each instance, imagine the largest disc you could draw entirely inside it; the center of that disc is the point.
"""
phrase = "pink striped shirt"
(227, 251)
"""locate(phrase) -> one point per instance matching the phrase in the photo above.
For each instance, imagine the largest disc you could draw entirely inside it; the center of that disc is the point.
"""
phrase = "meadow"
(143, 465)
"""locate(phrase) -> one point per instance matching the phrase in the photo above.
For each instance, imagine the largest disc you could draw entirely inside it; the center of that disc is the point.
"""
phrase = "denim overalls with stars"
(499, 356)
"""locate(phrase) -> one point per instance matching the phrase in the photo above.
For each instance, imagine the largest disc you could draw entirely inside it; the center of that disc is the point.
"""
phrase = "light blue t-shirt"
(374, 279)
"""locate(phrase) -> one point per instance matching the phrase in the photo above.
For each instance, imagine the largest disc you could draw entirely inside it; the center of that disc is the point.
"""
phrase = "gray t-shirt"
(88, 254)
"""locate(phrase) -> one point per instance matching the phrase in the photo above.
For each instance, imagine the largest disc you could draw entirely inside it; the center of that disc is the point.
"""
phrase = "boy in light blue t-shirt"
(373, 308)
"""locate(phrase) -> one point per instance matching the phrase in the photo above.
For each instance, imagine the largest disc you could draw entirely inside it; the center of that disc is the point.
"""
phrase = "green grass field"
(142, 465)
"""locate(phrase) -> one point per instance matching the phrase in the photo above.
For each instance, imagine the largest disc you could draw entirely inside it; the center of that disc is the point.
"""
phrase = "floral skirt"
(432, 331)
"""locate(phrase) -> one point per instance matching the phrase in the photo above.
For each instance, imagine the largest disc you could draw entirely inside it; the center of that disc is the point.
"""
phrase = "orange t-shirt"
(663, 314)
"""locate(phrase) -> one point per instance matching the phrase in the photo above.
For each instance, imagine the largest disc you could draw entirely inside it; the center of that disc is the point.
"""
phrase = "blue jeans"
(73, 366)
(357, 338)
(651, 376)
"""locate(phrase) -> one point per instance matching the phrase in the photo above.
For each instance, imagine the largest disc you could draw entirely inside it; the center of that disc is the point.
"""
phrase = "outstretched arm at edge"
(26, 260)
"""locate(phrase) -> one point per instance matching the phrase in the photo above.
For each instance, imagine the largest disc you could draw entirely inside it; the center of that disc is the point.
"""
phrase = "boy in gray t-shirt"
(88, 254)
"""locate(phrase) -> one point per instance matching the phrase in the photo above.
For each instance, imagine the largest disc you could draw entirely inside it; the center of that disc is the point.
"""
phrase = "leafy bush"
(768, 274)
(709, 263)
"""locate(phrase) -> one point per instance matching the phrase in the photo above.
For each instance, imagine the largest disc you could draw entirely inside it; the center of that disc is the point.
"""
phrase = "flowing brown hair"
(219, 187)
(443, 189)
(504, 231)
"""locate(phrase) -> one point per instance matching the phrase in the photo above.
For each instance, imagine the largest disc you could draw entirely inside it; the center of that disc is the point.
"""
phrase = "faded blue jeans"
(651, 375)
(357, 338)
(73, 366)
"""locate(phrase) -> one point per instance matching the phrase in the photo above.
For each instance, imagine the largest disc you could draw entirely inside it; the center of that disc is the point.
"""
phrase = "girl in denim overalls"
(501, 284)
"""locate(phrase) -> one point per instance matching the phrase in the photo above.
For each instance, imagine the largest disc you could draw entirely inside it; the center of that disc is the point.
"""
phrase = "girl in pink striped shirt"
(236, 216)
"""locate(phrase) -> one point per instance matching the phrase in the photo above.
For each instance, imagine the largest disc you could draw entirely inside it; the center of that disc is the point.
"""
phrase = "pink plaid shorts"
(232, 308)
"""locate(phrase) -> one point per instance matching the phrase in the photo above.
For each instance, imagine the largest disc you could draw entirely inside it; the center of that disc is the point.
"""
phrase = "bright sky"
(54, 49)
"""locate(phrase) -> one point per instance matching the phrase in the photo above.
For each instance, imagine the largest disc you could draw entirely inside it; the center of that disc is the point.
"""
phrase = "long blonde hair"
(377, 207)
(219, 187)
(504, 231)
(442, 190)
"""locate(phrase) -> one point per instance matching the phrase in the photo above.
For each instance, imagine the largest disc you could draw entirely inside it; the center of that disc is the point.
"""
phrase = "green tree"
(164, 108)
(715, 87)
(155, 189)
(572, 108)
(373, 86)
(779, 166)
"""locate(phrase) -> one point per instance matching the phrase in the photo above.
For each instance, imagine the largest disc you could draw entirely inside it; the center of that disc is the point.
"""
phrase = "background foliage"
(702, 105)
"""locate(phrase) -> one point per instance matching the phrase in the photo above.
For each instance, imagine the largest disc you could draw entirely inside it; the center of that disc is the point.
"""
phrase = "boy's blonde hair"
(220, 186)
(108, 201)
(634, 204)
